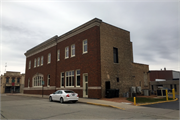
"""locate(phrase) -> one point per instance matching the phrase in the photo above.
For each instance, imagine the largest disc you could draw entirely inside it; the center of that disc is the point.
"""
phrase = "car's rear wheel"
(61, 100)
(50, 99)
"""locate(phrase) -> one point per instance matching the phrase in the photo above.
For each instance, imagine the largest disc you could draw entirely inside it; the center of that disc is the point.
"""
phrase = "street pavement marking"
(157, 102)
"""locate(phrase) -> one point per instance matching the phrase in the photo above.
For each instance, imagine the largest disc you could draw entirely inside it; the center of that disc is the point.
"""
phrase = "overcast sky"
(153, 26)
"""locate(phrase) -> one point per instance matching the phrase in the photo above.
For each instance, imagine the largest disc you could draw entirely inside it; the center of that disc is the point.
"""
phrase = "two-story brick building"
(84, 60)
(12, 82)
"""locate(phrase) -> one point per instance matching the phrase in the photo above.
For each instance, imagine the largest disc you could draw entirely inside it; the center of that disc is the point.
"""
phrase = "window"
(37, 80)
(66, 52)
(28, 82)
(58, 55)
(18, 80)
(42, 60)
(29, 64)
(70, 78)
(77, 77)
(117, 79)
(73, 50)
(152, 87)
(38, 62)
(48, 80)
(49, 58)
(85, 47)
(35, 62)
(171, 86)
(115, 54)
(62, 79)
(7, 80)
(175, 88)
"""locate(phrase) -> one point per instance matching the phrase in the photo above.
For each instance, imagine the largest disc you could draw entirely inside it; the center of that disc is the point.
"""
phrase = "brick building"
(84, 60)
(164, 78)
(12, 82)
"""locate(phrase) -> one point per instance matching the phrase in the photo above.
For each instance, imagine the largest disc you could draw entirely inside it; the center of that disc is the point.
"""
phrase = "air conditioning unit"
(133, 89)
(138, 89)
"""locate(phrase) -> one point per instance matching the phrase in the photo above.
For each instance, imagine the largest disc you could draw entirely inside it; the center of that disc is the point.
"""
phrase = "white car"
(64, 96)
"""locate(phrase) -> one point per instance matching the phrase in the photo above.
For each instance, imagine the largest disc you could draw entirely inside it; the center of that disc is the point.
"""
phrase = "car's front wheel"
(61, 100)
(50, 99)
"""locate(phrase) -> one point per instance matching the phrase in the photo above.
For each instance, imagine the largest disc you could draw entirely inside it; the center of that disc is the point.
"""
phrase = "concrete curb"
(156, 102)
(104, 105)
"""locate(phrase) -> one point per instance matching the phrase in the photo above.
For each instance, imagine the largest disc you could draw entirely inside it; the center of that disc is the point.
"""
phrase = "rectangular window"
(175, 88)
(171, 86)
(7, 80)
(35, 62)
(152, 87)
(70, 78)
(77, 78)
(29, 64)
(49, 58)
(115, 54)
(73, 50)
(85, 46)
(42, 60)
(48, 80)
(62, 79)
(66, 52)
(18, 80)
(38, 62)
(58, 55)
(117, 79)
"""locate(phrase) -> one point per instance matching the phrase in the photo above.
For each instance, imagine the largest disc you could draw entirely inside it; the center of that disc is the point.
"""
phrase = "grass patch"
(147, 100)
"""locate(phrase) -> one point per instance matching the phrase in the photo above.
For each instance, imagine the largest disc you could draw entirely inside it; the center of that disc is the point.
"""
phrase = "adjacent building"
(12, 82)
(164, 78)
(88, 60)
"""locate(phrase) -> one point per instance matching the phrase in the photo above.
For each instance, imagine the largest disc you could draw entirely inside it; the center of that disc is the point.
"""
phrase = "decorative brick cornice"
(54, 40)
(41, 47)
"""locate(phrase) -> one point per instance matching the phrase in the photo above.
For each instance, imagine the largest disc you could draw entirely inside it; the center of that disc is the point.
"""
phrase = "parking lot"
(23, 107)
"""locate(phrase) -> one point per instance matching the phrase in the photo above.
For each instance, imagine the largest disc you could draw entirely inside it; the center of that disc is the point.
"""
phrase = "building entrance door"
(85, 85)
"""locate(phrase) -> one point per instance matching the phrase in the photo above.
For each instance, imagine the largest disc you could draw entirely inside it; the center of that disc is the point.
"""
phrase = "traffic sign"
(42, 82)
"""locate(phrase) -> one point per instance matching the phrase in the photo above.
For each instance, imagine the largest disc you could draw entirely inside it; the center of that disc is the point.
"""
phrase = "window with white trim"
(62, 79)
(35, 62)
(73, 50)
(42, 60)
(58, 55)
(29, 64)
(78, 78)
(37, 81)
(48, 80)
(49, 58)
(66, 52)
(85, 46)
(38, 62)
(70, 78)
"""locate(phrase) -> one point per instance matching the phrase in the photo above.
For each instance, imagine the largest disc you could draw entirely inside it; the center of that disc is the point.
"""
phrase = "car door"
(55, 96)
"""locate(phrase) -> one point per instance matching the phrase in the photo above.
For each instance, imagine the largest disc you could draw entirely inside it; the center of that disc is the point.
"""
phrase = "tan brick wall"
(141, 75)
(110, 37)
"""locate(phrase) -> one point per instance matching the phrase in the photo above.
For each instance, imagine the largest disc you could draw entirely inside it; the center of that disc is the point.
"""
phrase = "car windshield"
(69, 91)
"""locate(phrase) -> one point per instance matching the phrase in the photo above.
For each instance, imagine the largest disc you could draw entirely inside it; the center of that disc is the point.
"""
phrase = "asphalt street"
(168, 105)
(23, 107)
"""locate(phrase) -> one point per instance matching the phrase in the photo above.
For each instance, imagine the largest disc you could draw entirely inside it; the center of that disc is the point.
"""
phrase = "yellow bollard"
(134, 100)
(166, 95)
(173, 92)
